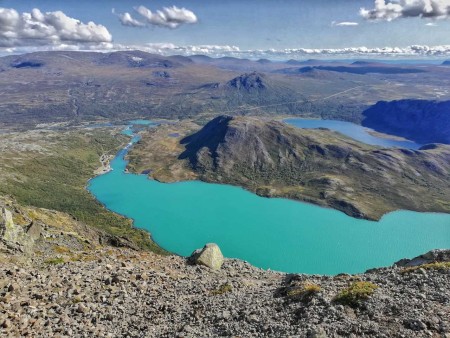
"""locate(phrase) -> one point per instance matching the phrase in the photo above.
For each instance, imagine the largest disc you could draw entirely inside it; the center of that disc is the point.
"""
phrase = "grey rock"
(317, 333)
(209, 256)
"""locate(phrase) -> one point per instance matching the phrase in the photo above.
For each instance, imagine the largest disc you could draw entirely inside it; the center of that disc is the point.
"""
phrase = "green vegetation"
(57, 181)
(224, 288)
(54, 261)
(304, 292)
(356, 293)
(61, 249)
(428, 266)
(76, 299)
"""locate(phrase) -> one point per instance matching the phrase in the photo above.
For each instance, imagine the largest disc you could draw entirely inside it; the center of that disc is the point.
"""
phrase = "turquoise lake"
(279, 234)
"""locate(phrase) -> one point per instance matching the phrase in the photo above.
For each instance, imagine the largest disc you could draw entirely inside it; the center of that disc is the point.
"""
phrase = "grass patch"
(356, 293)
(224, 288)
(54, 261)
(304, 292)
(83, 257)
(61, 249)
(429, 266)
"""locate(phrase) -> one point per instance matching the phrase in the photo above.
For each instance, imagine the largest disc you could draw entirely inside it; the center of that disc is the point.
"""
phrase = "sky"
(249, 28)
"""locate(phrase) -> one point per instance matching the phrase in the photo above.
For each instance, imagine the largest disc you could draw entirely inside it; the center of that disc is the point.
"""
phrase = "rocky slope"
(423, 121)
(64, 280)
(319, 166)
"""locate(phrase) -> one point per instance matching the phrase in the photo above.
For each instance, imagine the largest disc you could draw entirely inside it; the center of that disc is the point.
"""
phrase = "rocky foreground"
(62, 279)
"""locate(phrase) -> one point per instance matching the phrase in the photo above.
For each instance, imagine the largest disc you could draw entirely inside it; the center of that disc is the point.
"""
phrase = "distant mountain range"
(74, 87)
(355, 68)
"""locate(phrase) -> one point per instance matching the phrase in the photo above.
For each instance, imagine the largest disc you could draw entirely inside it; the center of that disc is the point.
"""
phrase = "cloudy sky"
(229, 27)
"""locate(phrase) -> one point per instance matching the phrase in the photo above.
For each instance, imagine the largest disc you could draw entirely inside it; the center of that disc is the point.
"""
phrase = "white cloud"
(431, 24)
(172, 49)
(344, 24)
(127, 20)
(38, 28)
(393, 9)
(169, 17)
(414, 51)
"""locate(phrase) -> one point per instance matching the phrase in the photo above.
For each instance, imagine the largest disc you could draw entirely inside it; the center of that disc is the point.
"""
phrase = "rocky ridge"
(71, 283)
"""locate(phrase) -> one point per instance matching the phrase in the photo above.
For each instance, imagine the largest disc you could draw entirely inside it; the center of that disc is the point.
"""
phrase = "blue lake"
(354, 131)
(279, 234)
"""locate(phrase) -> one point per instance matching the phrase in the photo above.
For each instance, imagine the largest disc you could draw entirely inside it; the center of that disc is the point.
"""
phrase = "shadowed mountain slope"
(423, 121)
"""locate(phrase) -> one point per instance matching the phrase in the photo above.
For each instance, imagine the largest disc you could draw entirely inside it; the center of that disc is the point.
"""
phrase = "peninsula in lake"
(320, 166)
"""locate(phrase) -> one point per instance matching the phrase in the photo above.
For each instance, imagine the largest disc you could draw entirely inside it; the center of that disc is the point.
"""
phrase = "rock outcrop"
(249, 82)
(13, 235)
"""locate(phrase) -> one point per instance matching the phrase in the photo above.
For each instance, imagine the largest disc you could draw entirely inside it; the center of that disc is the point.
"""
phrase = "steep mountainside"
(320, 166)
(419, 120)
(50, 169)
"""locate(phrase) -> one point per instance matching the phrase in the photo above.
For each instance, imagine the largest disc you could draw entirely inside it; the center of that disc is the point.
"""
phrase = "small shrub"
(54, 261)
(224, 288)
(356, 293)
(304, 292)
(61, 249)
(83, 257)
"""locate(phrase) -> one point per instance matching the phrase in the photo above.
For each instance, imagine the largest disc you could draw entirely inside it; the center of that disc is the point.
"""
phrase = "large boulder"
(13, 233)
(209, 256)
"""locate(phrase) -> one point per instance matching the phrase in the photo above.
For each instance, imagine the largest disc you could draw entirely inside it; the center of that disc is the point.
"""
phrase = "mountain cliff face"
(319, 166)
(419, 120)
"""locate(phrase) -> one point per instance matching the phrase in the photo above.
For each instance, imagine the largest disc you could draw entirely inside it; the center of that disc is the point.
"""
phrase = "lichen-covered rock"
(210, 256)
(13, 233)
(7, 224)
(34, 231)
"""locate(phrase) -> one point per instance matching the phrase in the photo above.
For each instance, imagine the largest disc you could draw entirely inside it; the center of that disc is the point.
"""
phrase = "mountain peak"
(248, 81)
